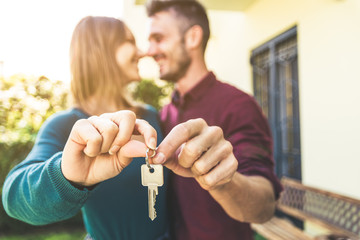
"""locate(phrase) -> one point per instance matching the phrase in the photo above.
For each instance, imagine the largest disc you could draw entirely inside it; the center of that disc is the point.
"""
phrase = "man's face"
(167, 46)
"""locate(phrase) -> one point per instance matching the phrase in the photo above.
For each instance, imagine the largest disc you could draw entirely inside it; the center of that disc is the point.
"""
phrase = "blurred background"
(299, 58)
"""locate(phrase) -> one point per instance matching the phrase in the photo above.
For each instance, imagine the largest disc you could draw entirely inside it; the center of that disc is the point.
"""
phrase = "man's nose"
(152, 50)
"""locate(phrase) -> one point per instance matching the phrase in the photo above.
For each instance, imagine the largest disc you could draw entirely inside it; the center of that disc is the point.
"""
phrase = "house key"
(152, 177)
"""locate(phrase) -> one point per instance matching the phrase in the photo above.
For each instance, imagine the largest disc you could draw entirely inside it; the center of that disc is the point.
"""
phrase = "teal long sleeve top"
(36, 192)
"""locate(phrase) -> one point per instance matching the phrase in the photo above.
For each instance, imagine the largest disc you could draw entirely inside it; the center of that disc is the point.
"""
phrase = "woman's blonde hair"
(94, 70)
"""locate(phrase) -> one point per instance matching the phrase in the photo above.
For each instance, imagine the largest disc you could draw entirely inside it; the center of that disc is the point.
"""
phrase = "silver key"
(152, 178)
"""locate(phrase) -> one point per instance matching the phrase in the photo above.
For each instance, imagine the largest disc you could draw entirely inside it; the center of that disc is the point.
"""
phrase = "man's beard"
(181, 68)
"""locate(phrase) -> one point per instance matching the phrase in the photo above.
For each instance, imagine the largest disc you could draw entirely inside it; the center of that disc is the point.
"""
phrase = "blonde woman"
(84, 159)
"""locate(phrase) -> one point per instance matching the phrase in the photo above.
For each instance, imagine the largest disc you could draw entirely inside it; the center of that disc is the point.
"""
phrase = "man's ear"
(193, 37)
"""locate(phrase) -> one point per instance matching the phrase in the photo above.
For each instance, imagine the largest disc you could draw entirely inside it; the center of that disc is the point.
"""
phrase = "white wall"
(329, 82)
(224, 53)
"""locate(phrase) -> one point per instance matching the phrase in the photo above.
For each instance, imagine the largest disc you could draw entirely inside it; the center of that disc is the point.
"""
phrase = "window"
(275, 81)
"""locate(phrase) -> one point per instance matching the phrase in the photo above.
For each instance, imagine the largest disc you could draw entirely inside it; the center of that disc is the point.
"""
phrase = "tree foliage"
(155, 93)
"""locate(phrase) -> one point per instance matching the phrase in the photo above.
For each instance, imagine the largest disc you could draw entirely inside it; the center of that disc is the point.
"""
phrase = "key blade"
(152, 190)
(152, 179)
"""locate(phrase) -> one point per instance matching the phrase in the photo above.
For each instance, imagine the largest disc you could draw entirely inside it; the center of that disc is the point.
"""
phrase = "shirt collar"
(195, 93)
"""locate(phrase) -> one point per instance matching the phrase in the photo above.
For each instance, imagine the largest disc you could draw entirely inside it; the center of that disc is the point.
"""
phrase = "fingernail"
(152, 143)
(114, 150)
(159, 158)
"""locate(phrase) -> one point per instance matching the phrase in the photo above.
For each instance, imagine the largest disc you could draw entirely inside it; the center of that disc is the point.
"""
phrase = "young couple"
(217, 147)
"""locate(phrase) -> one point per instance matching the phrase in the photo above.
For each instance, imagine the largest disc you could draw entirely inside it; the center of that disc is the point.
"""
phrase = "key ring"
(147, 156)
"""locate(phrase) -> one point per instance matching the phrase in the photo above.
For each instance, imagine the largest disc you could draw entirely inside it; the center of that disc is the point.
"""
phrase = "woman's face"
(127, 57)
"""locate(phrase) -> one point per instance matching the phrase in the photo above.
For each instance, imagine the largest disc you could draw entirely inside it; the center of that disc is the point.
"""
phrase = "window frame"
(274, 93)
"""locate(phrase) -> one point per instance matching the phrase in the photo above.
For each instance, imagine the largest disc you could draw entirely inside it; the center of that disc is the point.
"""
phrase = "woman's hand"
(99, 148)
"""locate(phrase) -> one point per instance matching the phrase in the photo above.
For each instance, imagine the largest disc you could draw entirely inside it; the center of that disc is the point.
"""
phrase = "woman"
(82, 162)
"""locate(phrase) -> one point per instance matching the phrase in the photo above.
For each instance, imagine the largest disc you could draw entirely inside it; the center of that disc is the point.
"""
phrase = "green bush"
(155, 93)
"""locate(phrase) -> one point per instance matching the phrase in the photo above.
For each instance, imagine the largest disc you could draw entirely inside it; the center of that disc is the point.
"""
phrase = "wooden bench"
(338, 214)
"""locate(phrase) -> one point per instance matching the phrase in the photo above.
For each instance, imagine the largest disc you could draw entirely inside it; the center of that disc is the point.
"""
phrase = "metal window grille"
(275, 81)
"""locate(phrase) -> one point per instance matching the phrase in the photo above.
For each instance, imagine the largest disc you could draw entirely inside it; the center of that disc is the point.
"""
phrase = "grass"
(61, 235)
(66, 235)
(258, 237)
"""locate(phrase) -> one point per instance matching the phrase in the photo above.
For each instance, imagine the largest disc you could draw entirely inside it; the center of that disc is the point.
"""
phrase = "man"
(224, 175)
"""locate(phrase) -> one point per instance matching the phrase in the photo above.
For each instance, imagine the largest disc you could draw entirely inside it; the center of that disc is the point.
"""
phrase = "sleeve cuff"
(269, 175)
(64, 188)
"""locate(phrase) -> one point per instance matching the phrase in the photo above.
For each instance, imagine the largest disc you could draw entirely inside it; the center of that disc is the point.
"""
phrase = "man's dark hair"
(190, 10)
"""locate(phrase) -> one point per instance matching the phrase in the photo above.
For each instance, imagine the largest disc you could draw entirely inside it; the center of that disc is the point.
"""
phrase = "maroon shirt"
(196, 214)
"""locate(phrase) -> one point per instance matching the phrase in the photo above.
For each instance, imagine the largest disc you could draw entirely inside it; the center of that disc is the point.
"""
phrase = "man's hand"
(99, 148)
(194, 149)
(202, 153)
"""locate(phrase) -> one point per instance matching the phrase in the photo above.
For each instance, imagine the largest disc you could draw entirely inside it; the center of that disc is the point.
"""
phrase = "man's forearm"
(246, 198)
